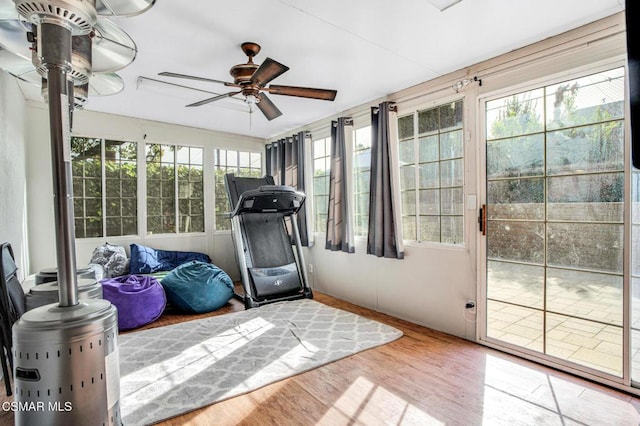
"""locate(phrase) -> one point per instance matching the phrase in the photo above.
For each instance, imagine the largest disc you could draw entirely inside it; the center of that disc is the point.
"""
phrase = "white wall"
(13, 178)
(86, 123)
(433, 283)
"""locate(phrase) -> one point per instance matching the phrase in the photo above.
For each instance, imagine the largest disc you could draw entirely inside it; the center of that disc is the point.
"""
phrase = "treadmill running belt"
(267, 243)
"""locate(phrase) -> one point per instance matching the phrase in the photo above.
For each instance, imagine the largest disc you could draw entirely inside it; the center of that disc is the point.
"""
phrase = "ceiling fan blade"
(268, 108)
(267, 71)
(192, 77)
(215, 98)
(302, 92)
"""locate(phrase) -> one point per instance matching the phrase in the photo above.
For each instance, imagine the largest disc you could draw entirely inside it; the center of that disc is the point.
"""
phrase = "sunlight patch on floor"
(294, 361)
(370, 403)
(543, 398)
(165, 375)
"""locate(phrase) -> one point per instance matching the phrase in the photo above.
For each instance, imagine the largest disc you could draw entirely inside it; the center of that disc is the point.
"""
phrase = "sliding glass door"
(555, 223)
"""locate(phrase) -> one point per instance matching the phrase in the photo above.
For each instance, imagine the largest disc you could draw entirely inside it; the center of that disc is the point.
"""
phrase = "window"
(321, 168)
(361, 174)
(105, 187)
(174, 172)
(240, 163)
(431, 174)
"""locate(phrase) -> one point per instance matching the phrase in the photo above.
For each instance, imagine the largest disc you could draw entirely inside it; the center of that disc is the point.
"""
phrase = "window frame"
(216, 165)
(367, 129)
(414, 108)
(327, 159)
(104, 196)
(176, 188)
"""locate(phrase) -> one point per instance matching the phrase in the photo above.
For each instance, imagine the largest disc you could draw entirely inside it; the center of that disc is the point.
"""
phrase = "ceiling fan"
(250, 80)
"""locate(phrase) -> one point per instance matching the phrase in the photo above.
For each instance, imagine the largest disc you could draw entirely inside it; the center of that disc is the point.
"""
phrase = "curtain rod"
(289, 139)
(348, 121)
(392, 107)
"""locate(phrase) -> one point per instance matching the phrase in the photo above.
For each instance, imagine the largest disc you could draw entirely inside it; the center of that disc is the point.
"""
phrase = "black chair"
(12, 306)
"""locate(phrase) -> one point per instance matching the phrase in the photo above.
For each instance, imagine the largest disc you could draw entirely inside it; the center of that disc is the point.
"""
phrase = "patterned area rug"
(172, 370)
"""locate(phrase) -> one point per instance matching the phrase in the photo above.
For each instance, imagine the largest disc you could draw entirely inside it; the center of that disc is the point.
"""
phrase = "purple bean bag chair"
(140, 299)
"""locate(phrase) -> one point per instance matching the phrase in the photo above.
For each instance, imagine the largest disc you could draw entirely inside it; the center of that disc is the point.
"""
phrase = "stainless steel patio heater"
(66, 366)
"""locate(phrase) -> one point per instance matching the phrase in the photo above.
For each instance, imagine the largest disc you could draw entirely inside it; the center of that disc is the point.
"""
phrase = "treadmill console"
(270, 199)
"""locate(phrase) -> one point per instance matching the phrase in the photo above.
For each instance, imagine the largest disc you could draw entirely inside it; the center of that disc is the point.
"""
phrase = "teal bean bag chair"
(197, 287)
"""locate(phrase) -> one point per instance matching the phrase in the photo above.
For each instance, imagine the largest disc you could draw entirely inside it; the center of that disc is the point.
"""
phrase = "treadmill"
(261, 218)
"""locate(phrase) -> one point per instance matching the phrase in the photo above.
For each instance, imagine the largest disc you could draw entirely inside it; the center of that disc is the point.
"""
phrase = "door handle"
(482, 219)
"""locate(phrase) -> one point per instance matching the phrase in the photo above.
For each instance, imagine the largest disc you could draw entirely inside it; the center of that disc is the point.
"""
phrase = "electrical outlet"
(311, 268)
(470, 306)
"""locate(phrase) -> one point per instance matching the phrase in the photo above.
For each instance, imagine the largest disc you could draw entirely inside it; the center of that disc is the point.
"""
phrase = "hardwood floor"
(423, 378)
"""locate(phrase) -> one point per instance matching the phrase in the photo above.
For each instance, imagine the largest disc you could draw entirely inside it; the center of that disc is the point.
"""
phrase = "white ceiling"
(365, 49)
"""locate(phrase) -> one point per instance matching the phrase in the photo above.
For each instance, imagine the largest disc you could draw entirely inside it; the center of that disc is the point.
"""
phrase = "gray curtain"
(285, 162)
(339, 226)
(274, 160)
(383, 239)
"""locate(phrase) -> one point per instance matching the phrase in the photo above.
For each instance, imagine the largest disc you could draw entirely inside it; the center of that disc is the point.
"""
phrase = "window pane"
(451, 145)
(591, 296)
(451, 173)
(405, 127)
(220, 157)
(114, 226)
(256, 160)
(168, 154)
(362, 160)
(452, 201)
(113, 188)
(245, 159)
(430, 202)
(517, 241)
(361, 184)
(515, 157)
(586, 198)
(516, 199)
(596, 247)
(182, 155)
(515, 281)
(591, 99)
(408, 202)
(450, 116)
(451, 229)
(114, 207)
(573, 330)
(430, 175)
(429, 150)
(195, 156)
(429, 229)
(407, 177)
(591, 148)
(154, 224)
(428, 121)
(250, 166)
(232, 158)
(515, 324)
(409, 228)
(520, 114)
(361, 175)
(93, 227)
(406, 152)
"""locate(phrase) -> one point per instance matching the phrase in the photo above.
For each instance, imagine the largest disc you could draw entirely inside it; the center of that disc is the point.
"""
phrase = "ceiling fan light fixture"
(252, 101)
(443, 5)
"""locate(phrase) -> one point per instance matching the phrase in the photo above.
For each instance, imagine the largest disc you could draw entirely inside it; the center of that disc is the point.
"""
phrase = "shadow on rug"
(172, 370)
